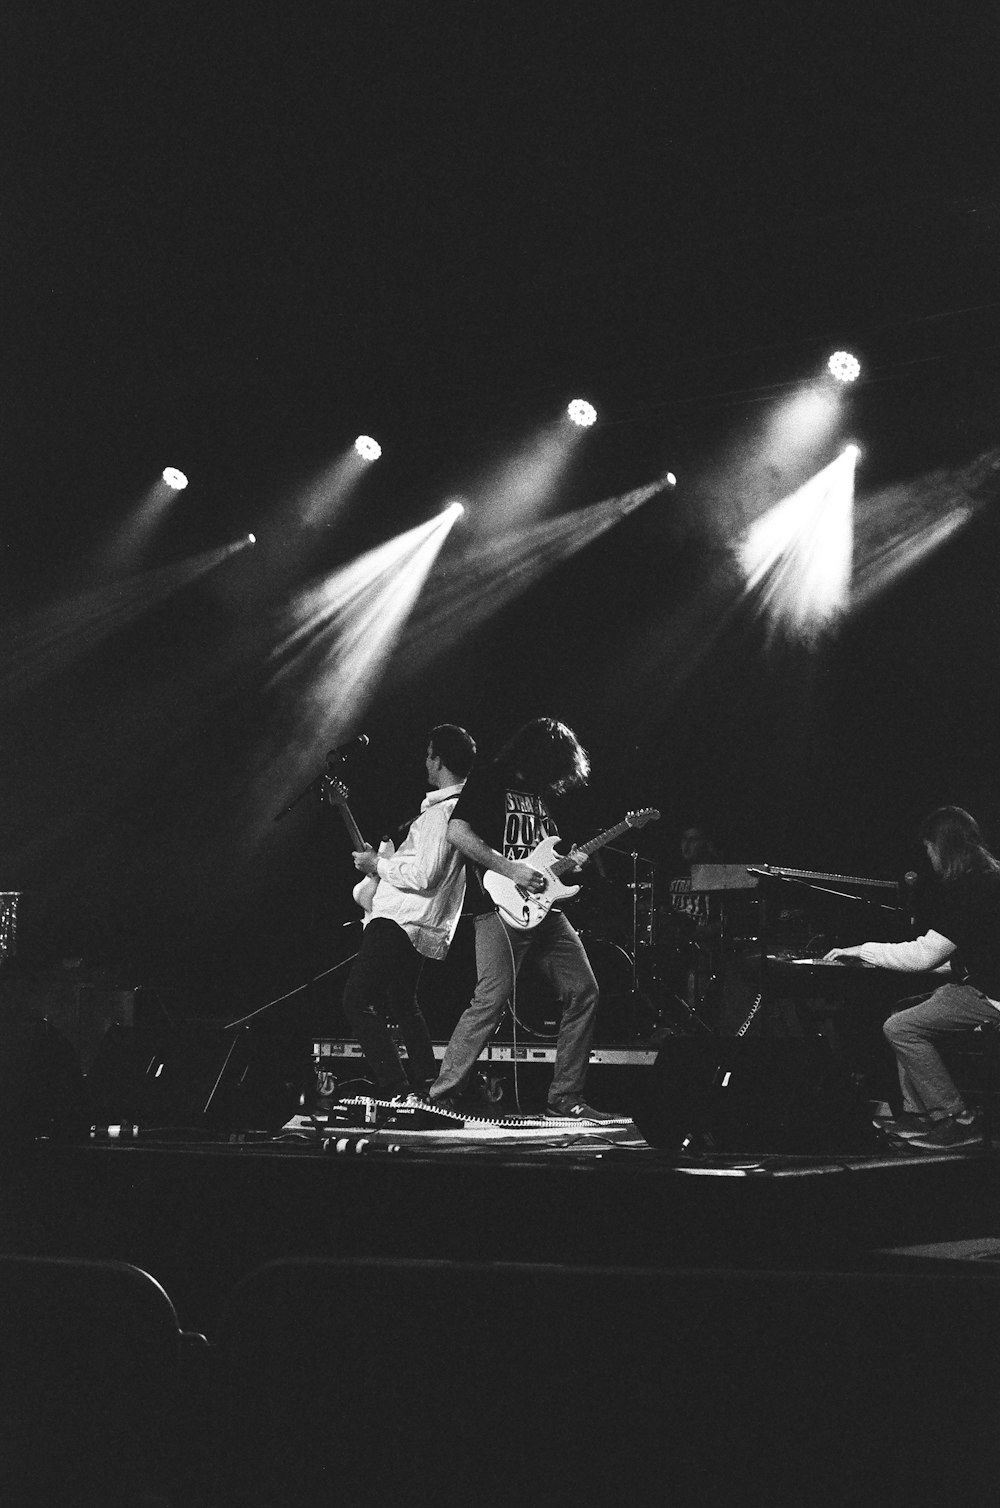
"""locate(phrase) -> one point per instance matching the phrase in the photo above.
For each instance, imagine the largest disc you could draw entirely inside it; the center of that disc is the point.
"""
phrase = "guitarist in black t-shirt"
(501, 817)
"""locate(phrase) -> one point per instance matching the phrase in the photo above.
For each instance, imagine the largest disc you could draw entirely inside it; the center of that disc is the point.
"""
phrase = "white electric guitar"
(525, 908)
(335, 792)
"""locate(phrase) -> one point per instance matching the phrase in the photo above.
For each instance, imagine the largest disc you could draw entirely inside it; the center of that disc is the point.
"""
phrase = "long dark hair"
(548, 756)
(958, 843)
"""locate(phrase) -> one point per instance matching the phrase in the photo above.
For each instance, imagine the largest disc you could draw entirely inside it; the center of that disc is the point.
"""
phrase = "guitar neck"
(353, 831)
(607, 836)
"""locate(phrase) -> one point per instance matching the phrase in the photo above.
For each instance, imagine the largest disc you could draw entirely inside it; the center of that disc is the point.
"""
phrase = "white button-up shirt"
(422, 886)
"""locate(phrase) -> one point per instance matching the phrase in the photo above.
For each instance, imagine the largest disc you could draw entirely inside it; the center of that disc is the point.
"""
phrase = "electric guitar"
(523, 908)
(335, 792)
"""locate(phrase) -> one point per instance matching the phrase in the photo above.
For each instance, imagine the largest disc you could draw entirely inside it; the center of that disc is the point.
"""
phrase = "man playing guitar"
(501, 817)
(414, 912)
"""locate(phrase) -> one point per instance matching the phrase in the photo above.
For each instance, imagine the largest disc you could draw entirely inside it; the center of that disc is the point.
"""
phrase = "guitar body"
(364, 890)
(526, 909)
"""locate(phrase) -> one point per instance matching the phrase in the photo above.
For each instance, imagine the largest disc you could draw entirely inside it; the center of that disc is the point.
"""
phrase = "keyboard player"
(965, 928)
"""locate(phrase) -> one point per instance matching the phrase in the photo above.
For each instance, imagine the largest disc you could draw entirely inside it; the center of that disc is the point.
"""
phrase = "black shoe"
(415, 1112)
(947, 1134)
(579, 1110)
(446, 1102)
(907, 1123)
(914, 1127)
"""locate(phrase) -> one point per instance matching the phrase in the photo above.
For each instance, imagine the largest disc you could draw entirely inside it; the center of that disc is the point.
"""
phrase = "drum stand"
(655, 1012)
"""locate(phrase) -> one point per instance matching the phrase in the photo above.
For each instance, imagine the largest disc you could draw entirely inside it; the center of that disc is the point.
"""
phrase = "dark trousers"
(382, 987)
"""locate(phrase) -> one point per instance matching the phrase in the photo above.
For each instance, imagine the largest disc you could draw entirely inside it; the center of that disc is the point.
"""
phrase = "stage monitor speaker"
(752, 1095)
(195, 1076)
(41, 1086)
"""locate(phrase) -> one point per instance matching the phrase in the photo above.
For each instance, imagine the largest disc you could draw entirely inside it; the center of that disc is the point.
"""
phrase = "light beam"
(796, 558)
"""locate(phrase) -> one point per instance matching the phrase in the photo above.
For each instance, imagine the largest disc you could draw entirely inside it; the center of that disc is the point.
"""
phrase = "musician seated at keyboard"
(965, 917)
(501, 818)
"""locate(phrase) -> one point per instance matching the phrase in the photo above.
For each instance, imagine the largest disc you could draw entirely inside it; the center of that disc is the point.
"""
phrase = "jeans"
(382, 986)
(500, 951)
(928, 1088)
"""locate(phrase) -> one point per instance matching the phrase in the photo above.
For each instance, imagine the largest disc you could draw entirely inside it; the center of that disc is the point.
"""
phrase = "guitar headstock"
(639, 819)
(335, 791)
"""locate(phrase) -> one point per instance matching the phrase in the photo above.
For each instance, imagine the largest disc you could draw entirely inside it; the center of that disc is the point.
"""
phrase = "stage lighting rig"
(175, 480)
(367, 448)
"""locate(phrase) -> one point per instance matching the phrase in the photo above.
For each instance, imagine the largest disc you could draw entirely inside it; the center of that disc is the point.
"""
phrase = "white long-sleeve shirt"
(926, 953)
(422, 886)
(922, 954)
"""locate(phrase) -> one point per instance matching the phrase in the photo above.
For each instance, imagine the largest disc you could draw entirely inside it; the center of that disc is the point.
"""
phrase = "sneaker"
(912, 1125)
(579, 1110)
(946, 1134)
(446, 1102)
(907, 1123)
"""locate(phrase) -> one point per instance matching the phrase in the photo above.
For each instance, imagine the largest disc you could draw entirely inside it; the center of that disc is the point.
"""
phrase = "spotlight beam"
(490, 573)
(338, 638)
(797, 557)
(42, 643)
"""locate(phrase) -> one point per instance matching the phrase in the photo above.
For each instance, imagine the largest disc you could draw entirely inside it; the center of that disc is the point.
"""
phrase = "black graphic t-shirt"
(507, 817)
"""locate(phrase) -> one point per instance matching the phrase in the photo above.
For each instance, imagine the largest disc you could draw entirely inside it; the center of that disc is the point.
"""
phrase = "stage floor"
(200, 1210)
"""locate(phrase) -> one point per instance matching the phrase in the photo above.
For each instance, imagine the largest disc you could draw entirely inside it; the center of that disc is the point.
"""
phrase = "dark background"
(235, 237)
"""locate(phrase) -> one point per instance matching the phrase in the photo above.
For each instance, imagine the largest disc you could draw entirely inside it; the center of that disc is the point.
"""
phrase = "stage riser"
(199, 1218)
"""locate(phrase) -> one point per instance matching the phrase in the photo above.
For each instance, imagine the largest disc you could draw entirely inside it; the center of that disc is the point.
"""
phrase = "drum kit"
(658, 953)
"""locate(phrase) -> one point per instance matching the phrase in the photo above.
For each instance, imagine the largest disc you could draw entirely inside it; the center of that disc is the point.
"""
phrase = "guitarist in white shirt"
(414, 912)
(501, 817)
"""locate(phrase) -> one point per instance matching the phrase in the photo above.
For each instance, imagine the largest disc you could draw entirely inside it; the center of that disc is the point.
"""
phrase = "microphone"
(910, 881)
(342, 750)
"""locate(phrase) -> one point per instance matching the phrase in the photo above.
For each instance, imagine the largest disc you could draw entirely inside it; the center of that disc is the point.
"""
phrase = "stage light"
(671, 480)
(174, 479)
(455, 509)
(582, 413)
(844, 367)
(251, 539)
(853, 451)
(367, 448)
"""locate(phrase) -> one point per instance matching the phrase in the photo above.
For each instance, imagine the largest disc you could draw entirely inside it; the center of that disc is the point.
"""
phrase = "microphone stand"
(314, 785)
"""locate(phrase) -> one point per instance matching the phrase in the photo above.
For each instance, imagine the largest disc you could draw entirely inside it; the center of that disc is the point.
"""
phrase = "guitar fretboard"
(607, 836)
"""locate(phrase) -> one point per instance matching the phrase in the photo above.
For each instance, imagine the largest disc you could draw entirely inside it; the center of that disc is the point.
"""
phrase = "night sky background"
(234, 237)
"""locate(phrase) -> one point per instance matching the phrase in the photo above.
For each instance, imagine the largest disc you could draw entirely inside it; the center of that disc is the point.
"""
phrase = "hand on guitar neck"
(365, 857)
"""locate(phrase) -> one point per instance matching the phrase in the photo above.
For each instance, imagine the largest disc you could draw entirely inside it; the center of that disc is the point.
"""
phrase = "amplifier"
(333, 1049)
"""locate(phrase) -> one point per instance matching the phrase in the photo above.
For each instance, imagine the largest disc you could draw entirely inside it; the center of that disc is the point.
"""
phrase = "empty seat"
(91, 1406)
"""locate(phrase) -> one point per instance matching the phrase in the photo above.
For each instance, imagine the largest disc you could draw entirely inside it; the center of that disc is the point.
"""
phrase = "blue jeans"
(561, 957)
(928, 1088)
